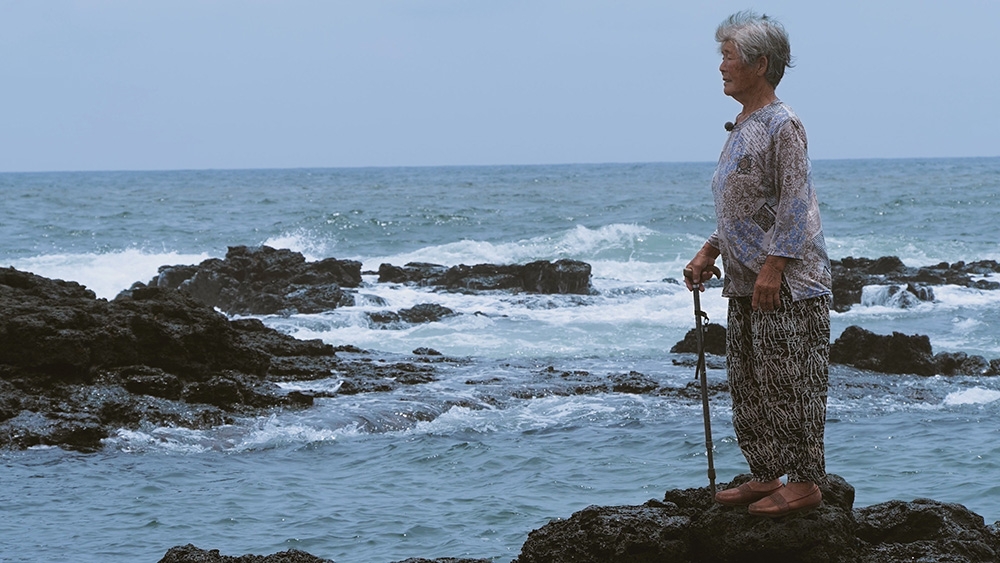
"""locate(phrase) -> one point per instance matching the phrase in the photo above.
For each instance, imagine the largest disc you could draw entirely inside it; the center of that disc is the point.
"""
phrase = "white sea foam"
(264, 433)
(328, 385)
(585, 241)
(105, 274)
(313, 247)
(973, 396)
(946, 297)
(529, 415)
(274, 431)
(640, 317)
(170, 439)
(891, 296)
(954, 296)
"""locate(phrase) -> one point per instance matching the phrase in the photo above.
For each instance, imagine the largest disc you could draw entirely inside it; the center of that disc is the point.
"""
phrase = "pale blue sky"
(180, 84)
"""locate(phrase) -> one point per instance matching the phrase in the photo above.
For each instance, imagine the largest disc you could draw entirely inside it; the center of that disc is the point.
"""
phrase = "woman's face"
(738, 80)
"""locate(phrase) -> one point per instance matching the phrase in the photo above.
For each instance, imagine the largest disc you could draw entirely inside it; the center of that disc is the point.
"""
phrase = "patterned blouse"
(765, 204)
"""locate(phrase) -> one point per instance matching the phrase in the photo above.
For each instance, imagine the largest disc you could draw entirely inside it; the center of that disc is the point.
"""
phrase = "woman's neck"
(763, 99)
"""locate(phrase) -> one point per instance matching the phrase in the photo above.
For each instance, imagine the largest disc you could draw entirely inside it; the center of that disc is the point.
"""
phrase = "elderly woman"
(777, 277)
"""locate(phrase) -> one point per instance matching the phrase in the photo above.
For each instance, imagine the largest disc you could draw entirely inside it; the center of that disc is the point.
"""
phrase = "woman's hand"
(767, 289)
(701, 268)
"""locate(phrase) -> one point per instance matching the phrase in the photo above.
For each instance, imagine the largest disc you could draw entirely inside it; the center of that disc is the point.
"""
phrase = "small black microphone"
(730, 126)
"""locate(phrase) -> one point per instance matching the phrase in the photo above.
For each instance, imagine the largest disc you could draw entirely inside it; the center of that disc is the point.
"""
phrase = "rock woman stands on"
(777, 276)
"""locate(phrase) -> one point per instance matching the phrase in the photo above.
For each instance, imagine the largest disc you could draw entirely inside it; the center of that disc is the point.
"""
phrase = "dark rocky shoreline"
(74, 369)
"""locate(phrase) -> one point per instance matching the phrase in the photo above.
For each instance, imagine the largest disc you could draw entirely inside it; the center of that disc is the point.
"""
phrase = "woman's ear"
(761, 69)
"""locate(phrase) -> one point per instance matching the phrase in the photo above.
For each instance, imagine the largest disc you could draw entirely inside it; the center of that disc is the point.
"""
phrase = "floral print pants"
(778, 370)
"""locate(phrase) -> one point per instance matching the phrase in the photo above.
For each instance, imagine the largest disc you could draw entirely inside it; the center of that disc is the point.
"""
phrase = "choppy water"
(382, 477)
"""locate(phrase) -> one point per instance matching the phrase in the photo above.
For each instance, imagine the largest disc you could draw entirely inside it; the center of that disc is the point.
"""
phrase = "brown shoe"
(784, 502)
(747, 493)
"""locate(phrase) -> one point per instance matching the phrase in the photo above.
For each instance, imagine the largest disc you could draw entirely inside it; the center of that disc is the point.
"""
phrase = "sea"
(469, 464)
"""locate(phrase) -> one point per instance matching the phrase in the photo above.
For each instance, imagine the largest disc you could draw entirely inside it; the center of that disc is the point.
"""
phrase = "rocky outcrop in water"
(900, 353)
(851, 275)
(74, 368)
(896, 353)
(418, 314)
(552, 382)
(713, 338)
(687, 526)
(191, 554)
(265, 281)
(559, 277)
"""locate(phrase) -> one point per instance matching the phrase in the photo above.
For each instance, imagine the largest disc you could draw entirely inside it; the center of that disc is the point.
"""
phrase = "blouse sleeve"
(713, 240)
(795, 192)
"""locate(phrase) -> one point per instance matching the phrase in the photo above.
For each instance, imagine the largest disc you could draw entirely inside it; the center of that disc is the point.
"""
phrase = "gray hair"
(758, 36)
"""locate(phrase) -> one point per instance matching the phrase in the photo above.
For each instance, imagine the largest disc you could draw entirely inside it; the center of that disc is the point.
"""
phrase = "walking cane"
(700, 369)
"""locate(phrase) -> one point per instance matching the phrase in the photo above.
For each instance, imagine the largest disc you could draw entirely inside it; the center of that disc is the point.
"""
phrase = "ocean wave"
(912, 251)
(106, 274)
(581, 243)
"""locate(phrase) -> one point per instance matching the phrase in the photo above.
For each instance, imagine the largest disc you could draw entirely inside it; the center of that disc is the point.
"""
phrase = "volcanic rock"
(265, 281)
(713, 337)
(896, 353)
(559, 277)
(687, 526)
(421, 313)
(899, 353)
(191, 554)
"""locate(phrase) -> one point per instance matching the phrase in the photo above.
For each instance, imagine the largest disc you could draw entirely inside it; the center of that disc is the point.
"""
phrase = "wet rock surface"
(191, 554)
(265, 281)
(714, 340)
(686, 526)
(418, 314)
(561, 276)
(900, 353)
(75, 369)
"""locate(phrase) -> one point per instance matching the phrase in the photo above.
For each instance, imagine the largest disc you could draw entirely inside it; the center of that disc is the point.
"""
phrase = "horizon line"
(405, 166)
